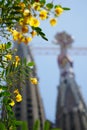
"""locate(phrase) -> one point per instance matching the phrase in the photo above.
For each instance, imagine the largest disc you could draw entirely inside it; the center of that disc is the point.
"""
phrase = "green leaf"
(42, 34)
(25, 61)
(3, 72)
(2, 126)
(4, 94)
(18, 123)
(8, 45)
(31, 63)
(9, 108)
(3, 87)
(23, 124)
(55, 129)
(32, 1)
(65, 8)
(49, 5)
(44, 38)
(36, 125)
(2, 2)
(42, 1)
(38, 29)
(57, 6)
(46, 125)
(16, 7)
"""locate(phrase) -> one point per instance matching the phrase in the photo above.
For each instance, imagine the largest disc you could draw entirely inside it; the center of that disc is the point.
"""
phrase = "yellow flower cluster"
(23, 23)
(31, 16)
(16, 60)
(18, 36)
(34, 81)
(18, 98)
(18, 95)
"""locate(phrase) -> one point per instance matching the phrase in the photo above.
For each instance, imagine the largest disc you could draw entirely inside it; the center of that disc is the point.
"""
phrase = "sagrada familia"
(71, 111)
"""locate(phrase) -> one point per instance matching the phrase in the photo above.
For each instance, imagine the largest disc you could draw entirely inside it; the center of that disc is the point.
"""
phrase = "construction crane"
(60, 38)
(37, 50)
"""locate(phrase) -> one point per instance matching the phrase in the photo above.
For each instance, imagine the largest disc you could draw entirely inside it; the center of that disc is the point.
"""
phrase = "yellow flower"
(21, 21)
(18, 98)
(2, 46)
(14, 32)
(16, 35)
(17, 59)
(34, 81)
(36, 6)
(26, 12)
(34, 22)
(9, 29)
(22, 39)
(12, 103)
(27, 19)
(27, 40)
(22, 5)
(43, 14)
(16, 91)
(33, 33)
(53, 22)
(8, 56)
(16, 62)
(58, 10)
(24, 29)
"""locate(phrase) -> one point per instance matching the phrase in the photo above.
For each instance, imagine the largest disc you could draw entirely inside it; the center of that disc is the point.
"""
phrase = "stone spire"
(64, 61)
(31, 108)
(71, 111)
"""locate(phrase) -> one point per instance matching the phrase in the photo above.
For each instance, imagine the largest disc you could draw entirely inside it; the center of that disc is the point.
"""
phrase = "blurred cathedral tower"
(31, 108)
(71, 111)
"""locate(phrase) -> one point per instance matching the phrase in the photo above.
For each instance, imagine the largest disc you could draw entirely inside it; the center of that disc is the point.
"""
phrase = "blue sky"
(73, 22)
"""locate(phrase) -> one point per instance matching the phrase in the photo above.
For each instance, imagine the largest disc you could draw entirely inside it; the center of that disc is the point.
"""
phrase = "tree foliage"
(20, 22)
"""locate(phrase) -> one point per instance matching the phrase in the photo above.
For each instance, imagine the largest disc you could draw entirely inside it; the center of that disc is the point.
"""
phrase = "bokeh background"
(74, 22)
